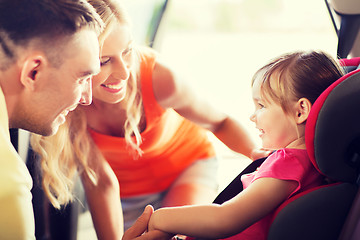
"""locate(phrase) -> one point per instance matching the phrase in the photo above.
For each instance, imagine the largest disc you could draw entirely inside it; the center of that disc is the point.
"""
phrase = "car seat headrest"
(350, 64)
(350, 7)
(332, 132)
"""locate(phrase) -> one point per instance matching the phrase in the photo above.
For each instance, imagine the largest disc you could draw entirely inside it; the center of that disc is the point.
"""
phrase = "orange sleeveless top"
(170, 144)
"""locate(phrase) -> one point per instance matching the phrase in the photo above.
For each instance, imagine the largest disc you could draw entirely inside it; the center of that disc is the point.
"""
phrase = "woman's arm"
(104, 202)
(220, 221)
(171, 92)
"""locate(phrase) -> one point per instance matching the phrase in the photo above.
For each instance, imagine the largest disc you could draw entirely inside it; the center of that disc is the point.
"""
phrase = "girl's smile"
(261, 133)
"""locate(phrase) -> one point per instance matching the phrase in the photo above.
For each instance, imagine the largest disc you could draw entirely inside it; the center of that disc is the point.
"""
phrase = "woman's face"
(116, 59)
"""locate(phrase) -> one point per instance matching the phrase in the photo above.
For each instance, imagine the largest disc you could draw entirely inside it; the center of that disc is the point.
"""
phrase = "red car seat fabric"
(350, 64)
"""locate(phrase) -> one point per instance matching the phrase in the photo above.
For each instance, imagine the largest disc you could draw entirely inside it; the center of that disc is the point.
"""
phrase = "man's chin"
(60, 120)
(47, 130)
(53, 130)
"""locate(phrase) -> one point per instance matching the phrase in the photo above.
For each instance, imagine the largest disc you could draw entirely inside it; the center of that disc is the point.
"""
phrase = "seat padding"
(333, 130)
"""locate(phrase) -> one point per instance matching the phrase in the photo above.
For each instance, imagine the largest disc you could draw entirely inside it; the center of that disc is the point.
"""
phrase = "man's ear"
(303, 107)
(30, 70)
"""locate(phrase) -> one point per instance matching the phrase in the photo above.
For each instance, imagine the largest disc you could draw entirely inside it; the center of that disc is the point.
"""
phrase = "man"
(48, 53)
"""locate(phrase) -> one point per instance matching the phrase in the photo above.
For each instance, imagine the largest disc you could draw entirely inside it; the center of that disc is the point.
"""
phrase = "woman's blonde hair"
(69, 151)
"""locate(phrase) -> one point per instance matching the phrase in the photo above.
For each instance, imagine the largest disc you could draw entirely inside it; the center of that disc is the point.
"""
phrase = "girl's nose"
(252, 117)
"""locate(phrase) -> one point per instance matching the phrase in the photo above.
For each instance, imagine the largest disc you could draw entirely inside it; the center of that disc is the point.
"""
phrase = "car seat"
(333, 143)
(348, 12)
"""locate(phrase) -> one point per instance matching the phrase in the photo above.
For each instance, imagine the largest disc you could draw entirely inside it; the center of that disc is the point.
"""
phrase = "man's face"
(59, 90)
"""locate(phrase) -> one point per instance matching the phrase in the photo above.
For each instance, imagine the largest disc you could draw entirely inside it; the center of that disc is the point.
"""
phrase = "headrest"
(350, 64)
(332, 132)
(349, 7)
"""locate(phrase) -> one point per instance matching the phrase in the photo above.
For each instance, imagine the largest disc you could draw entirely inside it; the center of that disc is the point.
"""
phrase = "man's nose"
(86, 96)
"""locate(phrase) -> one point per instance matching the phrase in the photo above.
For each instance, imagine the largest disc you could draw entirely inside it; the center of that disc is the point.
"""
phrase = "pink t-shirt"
(285, 164)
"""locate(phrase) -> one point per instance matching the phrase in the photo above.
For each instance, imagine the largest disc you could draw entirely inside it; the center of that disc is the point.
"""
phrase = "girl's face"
(277, 129)
(116, 59)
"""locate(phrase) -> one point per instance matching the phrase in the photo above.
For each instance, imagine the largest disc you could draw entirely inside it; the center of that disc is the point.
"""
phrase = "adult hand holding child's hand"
(139, 230)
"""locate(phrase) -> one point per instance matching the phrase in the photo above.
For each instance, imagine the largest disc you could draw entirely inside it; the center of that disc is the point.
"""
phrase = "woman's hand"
(139, 229)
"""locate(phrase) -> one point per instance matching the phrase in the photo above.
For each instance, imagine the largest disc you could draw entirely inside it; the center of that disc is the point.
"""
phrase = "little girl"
(283, 93)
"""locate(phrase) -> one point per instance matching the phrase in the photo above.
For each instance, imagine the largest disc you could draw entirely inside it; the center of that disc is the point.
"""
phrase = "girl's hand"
(139, 231)
(155, 235)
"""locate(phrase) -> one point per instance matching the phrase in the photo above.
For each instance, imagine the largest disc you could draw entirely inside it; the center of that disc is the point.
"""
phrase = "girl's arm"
(104, 202)
(172, 92)
(220, 221)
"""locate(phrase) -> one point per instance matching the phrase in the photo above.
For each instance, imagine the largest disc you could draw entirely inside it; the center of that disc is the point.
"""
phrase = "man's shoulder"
(14, 175)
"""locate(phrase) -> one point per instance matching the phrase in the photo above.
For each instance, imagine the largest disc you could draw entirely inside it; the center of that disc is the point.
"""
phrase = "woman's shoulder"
(146, 53)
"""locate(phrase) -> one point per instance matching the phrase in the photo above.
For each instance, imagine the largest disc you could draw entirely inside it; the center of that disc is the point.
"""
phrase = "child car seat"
(347, 31)
(333, 143)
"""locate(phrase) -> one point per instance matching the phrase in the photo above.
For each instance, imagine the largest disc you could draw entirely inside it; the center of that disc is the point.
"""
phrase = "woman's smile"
(114, 87)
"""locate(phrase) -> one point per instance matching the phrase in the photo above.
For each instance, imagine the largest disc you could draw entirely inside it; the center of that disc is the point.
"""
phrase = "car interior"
(331, 211)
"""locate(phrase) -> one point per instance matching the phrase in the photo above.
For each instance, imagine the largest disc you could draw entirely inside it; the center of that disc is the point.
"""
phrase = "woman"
(145, 130)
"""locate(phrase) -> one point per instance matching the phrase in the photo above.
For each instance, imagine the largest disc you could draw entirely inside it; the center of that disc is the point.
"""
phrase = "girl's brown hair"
(297, 75)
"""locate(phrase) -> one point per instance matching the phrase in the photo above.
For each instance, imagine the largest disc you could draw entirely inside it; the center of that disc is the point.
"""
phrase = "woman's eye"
(105, 61)
(260, 105)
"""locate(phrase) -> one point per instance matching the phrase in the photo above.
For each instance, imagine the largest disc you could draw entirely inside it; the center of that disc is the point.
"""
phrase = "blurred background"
(217, 45)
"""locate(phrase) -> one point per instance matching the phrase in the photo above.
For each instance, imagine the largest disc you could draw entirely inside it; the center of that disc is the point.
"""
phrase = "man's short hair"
(47, 20)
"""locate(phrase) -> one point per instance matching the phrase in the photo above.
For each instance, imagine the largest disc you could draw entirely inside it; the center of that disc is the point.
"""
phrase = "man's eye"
(85, 80)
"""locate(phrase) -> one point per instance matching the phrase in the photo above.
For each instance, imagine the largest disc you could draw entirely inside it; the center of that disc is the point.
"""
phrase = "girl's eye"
(105, 61)
(260, 105)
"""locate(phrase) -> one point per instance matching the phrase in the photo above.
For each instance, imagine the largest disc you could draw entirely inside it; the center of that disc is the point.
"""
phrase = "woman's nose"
(121, 70)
